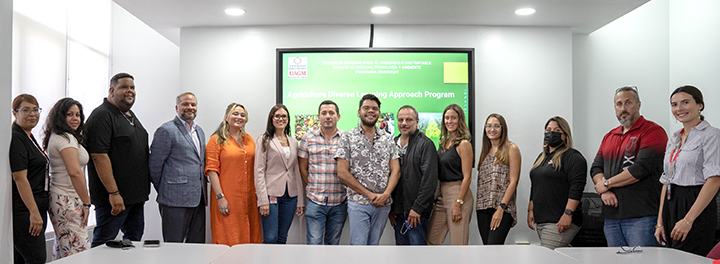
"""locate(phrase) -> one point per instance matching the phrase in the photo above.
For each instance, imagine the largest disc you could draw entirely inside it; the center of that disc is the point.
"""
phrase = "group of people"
(652, 193)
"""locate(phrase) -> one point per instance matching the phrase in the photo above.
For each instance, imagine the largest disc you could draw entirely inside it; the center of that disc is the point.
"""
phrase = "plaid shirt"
(324, 187)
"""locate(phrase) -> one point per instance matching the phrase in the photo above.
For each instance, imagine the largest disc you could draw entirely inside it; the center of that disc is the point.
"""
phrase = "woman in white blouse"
(278, 183)
(688, 210)
(69, 199)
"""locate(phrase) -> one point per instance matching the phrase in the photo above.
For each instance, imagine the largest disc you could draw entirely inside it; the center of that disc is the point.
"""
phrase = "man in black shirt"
(118, 171)
(414, 194)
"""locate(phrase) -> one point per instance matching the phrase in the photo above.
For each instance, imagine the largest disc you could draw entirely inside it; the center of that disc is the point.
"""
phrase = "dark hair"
(695, 93)
(177, 99)
(369, 97)
(23, 98)
(417, 116)
(270, 128)
(557, 157)
(116, 77)
(502, 155)
(329, 102)
(56, 122)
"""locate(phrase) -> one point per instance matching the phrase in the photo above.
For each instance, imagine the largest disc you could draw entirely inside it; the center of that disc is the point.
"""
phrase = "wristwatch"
(568, 211)
(460, 201)
(219, 195)
(503, 206)
(606, 183)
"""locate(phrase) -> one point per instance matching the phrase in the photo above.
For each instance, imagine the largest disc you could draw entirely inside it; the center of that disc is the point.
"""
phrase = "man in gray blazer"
(177, 165)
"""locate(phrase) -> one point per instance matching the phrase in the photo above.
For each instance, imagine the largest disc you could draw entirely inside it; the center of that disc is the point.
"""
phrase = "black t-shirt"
(550, 189)
(450, 168)
(25, 155)
(125, 141)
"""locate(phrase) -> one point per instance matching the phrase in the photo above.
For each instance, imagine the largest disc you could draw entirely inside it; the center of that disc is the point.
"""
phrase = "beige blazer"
(273, 172)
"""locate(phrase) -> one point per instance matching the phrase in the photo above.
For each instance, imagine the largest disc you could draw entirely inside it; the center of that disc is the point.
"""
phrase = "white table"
(654, 255)
(284, 254)
(166, 253)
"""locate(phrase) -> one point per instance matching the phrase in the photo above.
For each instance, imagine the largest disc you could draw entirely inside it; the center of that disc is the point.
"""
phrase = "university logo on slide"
(297, 67)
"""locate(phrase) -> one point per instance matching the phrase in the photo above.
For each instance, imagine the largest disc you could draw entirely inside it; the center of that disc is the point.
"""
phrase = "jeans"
(631, 232)
(415, 236)
(367, 223)
(324, 221)
(276, 225)
(131, 222)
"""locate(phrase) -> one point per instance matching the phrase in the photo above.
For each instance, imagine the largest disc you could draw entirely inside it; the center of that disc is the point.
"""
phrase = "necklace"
(131, 119)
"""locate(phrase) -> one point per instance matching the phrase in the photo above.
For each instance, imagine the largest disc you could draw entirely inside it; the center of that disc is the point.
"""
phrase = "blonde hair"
(462, 133)
(502, 156)
(224, 127)
(556, 159)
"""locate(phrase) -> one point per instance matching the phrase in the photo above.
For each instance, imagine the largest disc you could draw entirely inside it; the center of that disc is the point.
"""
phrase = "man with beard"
(367, 162)
(413, 197)
(626, 173)
(118, 171)
(177, 164)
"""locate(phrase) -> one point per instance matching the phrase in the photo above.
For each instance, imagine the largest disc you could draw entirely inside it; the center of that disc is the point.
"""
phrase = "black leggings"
(497, 236)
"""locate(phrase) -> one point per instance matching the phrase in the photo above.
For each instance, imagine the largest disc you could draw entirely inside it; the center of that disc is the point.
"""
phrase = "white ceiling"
(583, 16)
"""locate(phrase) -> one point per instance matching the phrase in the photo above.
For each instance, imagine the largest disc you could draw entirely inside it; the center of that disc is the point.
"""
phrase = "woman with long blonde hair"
(453, 210)
(230, 159)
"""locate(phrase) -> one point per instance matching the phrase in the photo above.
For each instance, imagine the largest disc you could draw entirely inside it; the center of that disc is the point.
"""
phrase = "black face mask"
(553, 139)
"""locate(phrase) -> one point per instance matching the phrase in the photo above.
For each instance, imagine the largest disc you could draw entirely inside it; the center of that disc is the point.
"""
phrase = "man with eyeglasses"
(626, 172)
(177, 166)
(118, 172)
(413, 197)
(367, 162)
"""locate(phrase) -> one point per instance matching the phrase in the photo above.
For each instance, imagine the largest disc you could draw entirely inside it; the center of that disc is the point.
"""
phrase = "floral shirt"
(369, 161)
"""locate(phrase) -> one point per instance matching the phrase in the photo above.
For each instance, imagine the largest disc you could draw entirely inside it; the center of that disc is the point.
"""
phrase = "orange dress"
(235, 166)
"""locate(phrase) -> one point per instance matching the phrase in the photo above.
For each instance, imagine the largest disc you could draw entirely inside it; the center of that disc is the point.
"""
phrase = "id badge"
(667, 193)
(272, 199)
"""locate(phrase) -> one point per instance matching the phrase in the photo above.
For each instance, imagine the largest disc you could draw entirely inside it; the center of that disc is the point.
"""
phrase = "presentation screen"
(428, 79)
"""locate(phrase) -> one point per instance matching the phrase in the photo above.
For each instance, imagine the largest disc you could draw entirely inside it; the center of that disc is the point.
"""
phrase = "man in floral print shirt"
(367, 162)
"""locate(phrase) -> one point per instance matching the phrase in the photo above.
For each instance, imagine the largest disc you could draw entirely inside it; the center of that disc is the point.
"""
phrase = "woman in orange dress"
(230, 166)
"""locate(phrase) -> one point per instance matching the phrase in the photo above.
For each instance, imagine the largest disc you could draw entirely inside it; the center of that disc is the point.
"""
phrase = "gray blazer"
(176, 168)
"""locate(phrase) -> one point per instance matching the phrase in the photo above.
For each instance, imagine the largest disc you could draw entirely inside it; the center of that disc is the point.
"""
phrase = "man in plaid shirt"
(326, 206)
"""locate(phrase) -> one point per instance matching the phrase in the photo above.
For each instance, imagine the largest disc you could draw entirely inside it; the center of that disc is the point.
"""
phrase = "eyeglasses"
(628, 250)
(627, 88)
(493, 126)
(27, 111)
(367, 108)
(278, 117)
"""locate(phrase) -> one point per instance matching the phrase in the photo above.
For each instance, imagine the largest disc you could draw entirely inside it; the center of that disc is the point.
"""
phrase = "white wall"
(694, 53)
(659, 46)
(6, 15)
(237, 64)
(632, 50)
(154, 61)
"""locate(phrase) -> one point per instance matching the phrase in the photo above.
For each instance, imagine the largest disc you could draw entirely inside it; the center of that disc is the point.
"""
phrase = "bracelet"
(87, 205)
(687, 222)
(114, 193)
(658, 226)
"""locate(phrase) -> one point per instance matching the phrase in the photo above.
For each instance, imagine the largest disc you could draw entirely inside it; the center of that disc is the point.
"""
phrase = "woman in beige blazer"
(278, 183)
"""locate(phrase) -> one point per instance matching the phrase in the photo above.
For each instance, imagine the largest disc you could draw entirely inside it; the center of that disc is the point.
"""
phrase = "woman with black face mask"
(557, 181)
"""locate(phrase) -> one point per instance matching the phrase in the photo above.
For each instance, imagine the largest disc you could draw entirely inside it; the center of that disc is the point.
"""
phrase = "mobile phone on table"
(151, 243)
